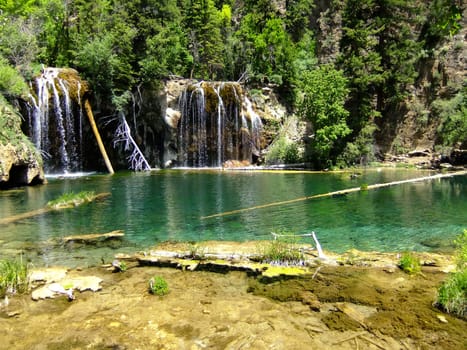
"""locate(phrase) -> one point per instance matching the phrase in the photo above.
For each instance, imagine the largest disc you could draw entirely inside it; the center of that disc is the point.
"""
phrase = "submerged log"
(93, 237)
(336, 193)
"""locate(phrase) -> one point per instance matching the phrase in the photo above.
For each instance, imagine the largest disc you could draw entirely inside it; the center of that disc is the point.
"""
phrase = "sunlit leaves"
(324, 91)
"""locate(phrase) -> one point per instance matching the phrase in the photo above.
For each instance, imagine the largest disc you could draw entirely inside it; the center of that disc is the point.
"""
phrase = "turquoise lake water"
(169, 205)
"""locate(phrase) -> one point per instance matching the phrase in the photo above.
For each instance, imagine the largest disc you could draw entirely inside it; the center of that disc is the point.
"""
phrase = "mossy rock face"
(77, 87)
(20, 162)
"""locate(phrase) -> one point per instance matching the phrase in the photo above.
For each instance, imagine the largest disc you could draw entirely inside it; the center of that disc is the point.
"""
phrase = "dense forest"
(349, 67)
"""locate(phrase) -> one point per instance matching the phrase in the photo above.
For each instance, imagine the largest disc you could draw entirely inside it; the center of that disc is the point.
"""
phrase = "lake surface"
(169, 205)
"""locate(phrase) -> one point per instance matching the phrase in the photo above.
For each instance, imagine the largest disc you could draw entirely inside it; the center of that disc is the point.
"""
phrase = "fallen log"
(87, 107)
(336, 193)
(49, 208)
(93, 237)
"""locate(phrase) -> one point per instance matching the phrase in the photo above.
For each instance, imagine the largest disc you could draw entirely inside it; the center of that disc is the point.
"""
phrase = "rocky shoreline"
(221, 297)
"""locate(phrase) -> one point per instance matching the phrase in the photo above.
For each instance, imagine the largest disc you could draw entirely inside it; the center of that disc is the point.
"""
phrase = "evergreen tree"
(204, 35)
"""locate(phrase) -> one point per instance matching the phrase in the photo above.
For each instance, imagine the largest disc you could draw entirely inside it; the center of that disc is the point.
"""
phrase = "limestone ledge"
(243, 256)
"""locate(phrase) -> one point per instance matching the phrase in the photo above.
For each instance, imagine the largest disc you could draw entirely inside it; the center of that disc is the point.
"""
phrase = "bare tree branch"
(123, 135)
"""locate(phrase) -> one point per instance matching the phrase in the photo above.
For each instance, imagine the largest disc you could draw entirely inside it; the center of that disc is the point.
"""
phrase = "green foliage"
(452, 294)
(297, 17)
(453, 115)
(166, 54)
(283, 151)
(282, 250)
(13, 277)
(158, 286)
(270, 52)
(96, 59)
(17, 7)
(360, 151)
(409, 263)
(71, 199)
(10, 131)
(324, 91)
(117, 45)
(205, 41)
(11, 81)
(378, 53)
(461, 251)
(18, 42)
(444, 18)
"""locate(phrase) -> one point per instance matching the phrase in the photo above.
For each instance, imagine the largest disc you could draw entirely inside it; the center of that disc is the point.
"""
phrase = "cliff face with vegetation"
(364, 79)
(20, 162)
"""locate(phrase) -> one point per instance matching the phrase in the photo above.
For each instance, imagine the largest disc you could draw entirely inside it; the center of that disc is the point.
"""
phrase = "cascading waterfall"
(256, 127)
(217, 124)
(52, 124)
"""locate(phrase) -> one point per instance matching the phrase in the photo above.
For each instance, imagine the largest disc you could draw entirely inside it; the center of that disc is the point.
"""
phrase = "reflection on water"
(168, 205)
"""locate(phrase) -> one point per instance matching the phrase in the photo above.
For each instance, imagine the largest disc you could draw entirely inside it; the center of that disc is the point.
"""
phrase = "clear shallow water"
(168, 205)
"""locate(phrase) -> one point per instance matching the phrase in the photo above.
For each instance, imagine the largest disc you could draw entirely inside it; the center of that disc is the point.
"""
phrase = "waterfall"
(256, 127)
(217, 125)
(53, 124)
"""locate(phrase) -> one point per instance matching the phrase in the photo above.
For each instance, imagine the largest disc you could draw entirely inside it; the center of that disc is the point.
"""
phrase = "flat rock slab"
(48, 275)
(66, 286)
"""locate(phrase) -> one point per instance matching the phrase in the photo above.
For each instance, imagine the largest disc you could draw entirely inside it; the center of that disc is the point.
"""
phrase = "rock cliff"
(20, 162)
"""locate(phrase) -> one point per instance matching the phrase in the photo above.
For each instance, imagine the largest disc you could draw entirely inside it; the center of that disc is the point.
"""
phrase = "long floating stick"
(335, 193)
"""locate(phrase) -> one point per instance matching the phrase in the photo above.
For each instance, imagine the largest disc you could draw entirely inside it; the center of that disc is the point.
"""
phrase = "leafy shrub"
(283, 151)
(461, 251)
(322, 102)
(11, 81)
(13, 277)
(158, 286)
(452, 295)
(453, 114)
(409, 263)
